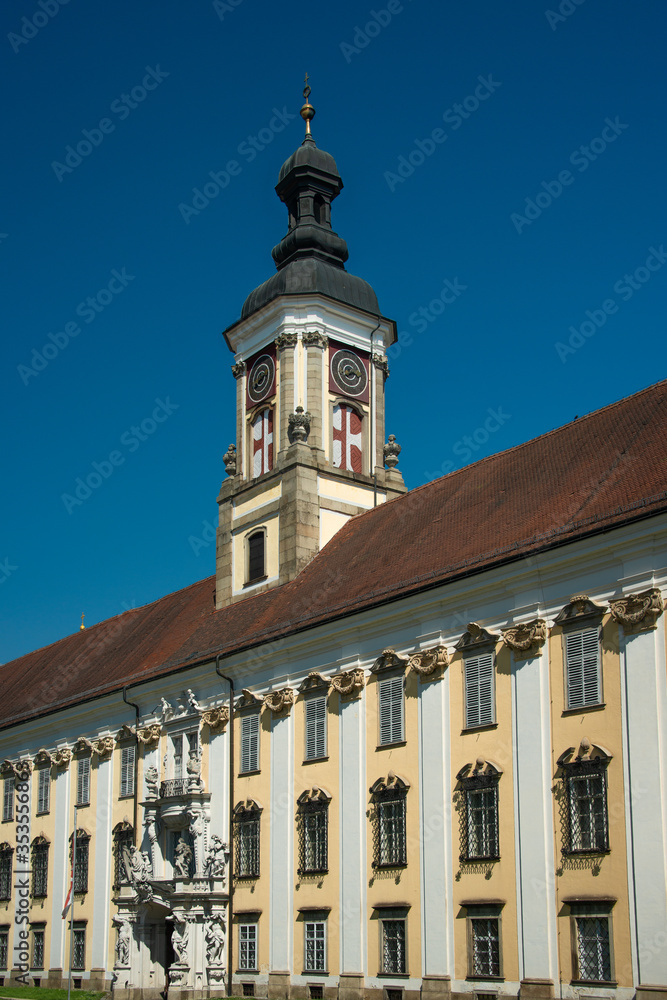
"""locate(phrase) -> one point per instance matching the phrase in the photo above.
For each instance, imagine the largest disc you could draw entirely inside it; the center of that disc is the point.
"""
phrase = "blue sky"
(515, 152)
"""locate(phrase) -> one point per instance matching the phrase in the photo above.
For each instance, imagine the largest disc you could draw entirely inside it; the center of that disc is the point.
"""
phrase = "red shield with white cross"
(346, 438)
(262, 443)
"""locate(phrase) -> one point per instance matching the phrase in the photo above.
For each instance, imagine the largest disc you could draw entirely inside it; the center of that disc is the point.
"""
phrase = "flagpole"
(71, 912)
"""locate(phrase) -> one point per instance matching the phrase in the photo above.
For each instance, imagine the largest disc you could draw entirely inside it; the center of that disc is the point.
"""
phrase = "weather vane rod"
(307, 111)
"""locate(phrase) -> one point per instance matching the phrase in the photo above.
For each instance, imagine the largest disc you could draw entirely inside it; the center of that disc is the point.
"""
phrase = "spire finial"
(82, 626)
(307, 111)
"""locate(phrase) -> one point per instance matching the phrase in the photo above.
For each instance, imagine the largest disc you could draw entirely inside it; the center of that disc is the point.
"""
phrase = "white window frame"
(479, 681)
(83, 781)
(391, 710)
(8, 796)
(249, 931)
(127, 759)
(43, 790)
(315, 728)
(249, 757)
(583, 677)
(315, 935)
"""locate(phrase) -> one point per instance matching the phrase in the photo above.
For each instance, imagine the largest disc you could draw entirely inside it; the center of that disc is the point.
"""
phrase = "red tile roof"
(599, 471)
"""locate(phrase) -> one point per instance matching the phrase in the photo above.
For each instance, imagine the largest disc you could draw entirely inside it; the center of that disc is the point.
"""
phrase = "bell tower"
(310, 368)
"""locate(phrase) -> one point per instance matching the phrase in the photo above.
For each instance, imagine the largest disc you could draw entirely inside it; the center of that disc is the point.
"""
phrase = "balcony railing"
(173, 787)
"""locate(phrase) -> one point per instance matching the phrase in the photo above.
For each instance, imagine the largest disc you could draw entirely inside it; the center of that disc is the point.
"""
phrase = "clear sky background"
(549, 79)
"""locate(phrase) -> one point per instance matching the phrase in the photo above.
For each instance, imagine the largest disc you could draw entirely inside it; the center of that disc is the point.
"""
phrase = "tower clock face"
(349, 373)
(261, 379)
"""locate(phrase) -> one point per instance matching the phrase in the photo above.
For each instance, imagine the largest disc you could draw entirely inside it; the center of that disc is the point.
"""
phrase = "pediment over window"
(314, 796)
(477, 638)
(585, 753)
(246, 808)
(20, 769)
(314, 682)
(580, 611)
(44, 757)
(393, 784)
(389, 659)
(248, 700)
(637, 612)
(125, 733)
(482, 772)
(83, 745)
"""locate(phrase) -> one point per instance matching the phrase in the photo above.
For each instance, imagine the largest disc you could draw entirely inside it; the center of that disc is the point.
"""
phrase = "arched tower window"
(347, 451)
(256, 543)
(262, 442)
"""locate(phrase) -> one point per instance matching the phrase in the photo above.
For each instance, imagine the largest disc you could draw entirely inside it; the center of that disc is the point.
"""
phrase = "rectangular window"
(480, 700)
(248, 946)
(587, 794)
(390, 695)
(38, 948)
(6, 856)
(393, 946)
(315, 946)
(79, 947)
(484, 956)
(391, 842)
(314, 835)
(593, 952)
(8, 800)
(247, 847)
(43, 790)
(127, 771)
(481, 805)
(81, 867)
(250, 742)
(316, 728)
(83, 781)
(582, 668)
(4, 947)
(177, 751)
(40, 870)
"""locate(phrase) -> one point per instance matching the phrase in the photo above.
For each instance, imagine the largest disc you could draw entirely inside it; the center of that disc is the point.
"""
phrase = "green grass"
(39, 993)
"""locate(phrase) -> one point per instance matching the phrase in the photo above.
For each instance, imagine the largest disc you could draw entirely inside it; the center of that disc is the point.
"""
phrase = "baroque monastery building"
(400, 745)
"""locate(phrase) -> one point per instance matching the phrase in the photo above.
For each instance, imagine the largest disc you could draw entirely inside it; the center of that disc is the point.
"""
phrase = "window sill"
(82, 805)
(485, 979)
(315, 760)
(247, 972)
(598, 707)
(587, 852)
(129, 795)
(388, 865)
(594, 982)
(481, 728)
(304, 872)
(43, 812)
(315, 972)
(252, 583)
(244, 774)
(393, 975)
(246, 878)
(466, 860)
(390, 746)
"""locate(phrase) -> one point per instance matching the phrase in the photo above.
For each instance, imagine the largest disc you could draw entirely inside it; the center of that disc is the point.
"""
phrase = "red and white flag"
(346, 438)
(68, 901)
(262, 443)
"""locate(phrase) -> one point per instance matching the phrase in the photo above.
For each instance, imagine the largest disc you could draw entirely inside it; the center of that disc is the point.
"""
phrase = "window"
(127, 757)
(81, 861)
(262, 443)
(246, 828)
(585, 795)
(123, 839)
(480, 701)
(256, 556)
(83, 781)
(38, 947)
(316, 728)
(4, 947)
(6, 857)
(40, 867)
(250, 742)
(313, 831)
(43, 790)
(484, 954)
(582, 668)
(390, 695)
(347, 453)
(182, 745)
(248, 946)
(479, 812)
(389, 822)
(79, 947)
(315, 950)
(393, 946)
(591, 931)
(8, 800)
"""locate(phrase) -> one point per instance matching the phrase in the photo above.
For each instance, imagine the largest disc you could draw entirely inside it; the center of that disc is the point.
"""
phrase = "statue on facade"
(183, 858)
(179, 940)
(151, 777)
(216, 857)
(139, 871)
(192, 701)
(123, 942)
(215, 941)
(166, 710)
(193, 767)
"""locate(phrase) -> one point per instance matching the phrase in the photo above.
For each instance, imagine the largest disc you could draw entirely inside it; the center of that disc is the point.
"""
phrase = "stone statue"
(192, 701)
(183, 858)
(196, 823)
(215, 941)
(139, 870)
(123, 942)
(216, 857)
(179, 940)
(391, 451)
(166, 710)
(151, 776)
(193, 767)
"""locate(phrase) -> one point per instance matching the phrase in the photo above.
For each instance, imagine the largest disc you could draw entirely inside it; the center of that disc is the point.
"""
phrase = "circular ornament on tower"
(261, 379)
(349, 373)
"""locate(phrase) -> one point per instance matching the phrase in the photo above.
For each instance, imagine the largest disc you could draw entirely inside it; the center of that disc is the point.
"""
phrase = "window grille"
(246, 853)
(250, 742)
(316, 992)
(393, 946)
(4, 948)
(43, 790)
(586, 797)
(248, 989)
(315, 946)
(127, 757)
(8, 800)
(479, 683)
(479, 817)
(313, 847)
(485, 946)
(38, 949)
(6, 857)
(390, 694)
(390, 840)
(316, 728)
(123, 838)
(79, 948)
(582, 667)
(40, 868)
(593, 949)
(81, 865)
(248, 947)
(83, 781)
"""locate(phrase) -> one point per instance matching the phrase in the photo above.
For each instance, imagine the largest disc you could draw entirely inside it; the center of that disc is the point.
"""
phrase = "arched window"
(347, 452)
(256, 555)
(262, 442)
(390, 842)
(40, 867)
(312, 823)
(6, 858)
(246, 837)
(586, 823)
(81, 862)
(478, 783)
